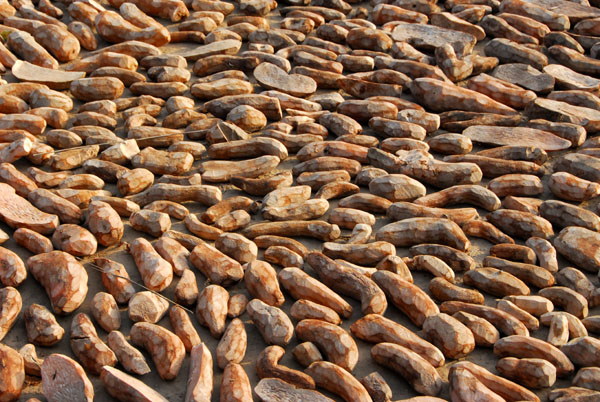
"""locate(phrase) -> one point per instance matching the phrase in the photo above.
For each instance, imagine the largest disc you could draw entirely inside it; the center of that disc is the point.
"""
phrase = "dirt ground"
(32, 292)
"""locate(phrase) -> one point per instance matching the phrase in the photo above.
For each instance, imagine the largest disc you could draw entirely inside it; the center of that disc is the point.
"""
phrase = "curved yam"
(442, 96)
(272, 77)
(121, 385)
(227, 46)
(55, 79)
(526, 76)
(553, 110)
(421, 375)
(580, 246)
(64, 380)
(412, 231)
(17, 212)
(571, 79)
(63, 277)
(516, 136)
(430, 36)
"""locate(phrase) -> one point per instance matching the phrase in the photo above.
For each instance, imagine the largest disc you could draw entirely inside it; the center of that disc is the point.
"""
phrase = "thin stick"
(97, 268)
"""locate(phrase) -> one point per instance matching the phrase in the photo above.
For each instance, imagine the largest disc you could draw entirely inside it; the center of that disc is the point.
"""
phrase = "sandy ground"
(174, 390)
